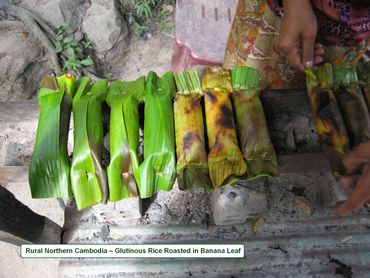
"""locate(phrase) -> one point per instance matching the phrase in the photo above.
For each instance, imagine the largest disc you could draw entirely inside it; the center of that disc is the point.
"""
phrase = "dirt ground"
(152, 53)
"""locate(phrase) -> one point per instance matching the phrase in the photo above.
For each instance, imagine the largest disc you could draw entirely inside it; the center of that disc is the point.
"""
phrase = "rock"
(329, 190)
(290, 142)
(54, 12)
(257, 224)
(302, 205)
(48, 11)
(23, 61)
(300, 137)
(235, 204)
(104, 25)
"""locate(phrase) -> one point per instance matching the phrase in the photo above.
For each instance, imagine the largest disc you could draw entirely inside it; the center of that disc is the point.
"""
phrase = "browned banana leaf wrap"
(352, 105)
(225, 160)
(363, 72)
(251, 124)
(192, 166)
(328, 119)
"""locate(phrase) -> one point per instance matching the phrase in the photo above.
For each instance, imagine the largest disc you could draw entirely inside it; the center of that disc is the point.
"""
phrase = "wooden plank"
(306, 162)
(274, 101)
(293, 163)
(19, 111)
(277, 101)
(13, 174)
(19, 224)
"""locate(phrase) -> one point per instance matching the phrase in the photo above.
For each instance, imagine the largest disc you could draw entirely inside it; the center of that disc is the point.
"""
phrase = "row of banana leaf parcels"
(209, 133)
(340, 103)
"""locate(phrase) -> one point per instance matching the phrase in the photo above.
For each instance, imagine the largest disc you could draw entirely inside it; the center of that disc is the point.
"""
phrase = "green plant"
(140, 13)
(140, 30)
(70, 50)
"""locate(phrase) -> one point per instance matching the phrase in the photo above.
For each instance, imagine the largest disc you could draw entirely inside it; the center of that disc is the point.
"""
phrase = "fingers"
(294, 58)
(308, 46)
(358, 197)
(358, 157)
(294, 55)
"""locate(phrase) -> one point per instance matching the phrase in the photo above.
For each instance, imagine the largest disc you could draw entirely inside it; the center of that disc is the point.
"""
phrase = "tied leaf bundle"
(352, 105)
(225, 160)
(49, 174)
(88, 176)
(192, 167)
(158, 170)
(252, 129)
(326, 113)
(363, 72)
(123, 170)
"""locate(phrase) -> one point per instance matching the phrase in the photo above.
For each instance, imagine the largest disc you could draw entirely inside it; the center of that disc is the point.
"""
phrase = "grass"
(141, 14)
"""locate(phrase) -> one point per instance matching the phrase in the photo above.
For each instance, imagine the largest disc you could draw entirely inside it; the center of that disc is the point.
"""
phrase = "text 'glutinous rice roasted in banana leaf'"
(225, 160)
(89, 182)
(49, 174)
(158, 170)
(327, 116)
(123, 170)
(192, 167)
(251, 124)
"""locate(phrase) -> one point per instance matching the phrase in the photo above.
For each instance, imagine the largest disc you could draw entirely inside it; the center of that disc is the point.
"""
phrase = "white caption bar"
(132, 251)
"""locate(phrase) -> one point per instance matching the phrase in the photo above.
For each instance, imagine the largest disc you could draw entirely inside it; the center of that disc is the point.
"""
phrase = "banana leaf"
(352, 105)
(123, 170)
(225, 160)
(251, 124)
(158, 170)
(192, 167)
(363, 72)
(49, 174)
(88, 177)
(327, 116)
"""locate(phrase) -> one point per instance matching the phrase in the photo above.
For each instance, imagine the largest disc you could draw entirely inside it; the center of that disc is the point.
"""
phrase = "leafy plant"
(139, 12)
(70, 50)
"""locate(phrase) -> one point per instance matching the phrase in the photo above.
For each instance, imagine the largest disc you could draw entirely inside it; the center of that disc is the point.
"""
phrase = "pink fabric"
(340, 22)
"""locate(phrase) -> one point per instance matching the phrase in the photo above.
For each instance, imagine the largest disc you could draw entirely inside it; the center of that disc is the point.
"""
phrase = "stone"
(237, 203)
(329, 189)
(48, 11)
(23, 61)
(302, 205)
(103, 25)
(54, 12)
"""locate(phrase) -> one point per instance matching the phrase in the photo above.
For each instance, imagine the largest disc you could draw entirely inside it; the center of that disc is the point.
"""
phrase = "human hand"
(296, 40)
(357, 186)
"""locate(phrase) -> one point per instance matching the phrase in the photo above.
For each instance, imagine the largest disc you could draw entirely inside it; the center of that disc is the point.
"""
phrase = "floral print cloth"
(257, 23)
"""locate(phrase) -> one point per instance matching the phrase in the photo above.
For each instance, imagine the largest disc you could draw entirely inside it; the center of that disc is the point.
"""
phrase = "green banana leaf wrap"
(89, 182)
(327, 116)
(49, 173)
(192, 166)
(352, 105)
(225, 160)
(158, 170)
(251, 124)
(123, 170)
(363, 72)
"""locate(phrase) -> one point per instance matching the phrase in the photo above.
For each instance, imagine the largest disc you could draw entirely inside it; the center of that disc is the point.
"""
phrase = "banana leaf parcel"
(363, 72)
(123, 170)
(49, 174)
(88, 177)
(352, 105)
(251, 124)
(158, 170)
(192, 167)
(327, 116)
(225, 160)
